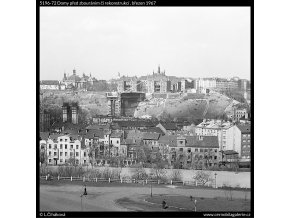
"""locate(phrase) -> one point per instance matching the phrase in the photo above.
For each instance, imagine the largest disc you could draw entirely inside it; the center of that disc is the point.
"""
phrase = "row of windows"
(246, 135)
(246, 140)
(65, 146)
(196, 150)
(65, 154)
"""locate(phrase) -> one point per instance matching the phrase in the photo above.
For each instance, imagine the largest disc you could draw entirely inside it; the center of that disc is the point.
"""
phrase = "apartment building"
(63, 149)
(217, 128)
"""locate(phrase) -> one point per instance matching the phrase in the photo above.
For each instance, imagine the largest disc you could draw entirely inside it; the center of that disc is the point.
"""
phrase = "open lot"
(65, 196)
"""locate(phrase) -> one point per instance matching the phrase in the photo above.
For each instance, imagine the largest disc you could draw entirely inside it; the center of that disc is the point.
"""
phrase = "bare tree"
(203, 177)
(139, 173)
(175, 175)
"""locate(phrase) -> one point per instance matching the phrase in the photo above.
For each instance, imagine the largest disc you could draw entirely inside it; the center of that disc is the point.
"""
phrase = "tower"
(64, 112)
(74, 114)
(74, 71)
(64, 77)
(158, 69)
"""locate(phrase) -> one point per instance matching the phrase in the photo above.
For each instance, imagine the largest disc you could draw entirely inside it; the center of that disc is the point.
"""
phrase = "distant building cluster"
(69, 82)
(108, 140)
(160, 83)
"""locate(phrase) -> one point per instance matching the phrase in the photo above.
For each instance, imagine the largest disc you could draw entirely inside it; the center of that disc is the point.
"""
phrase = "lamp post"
(151, 189)
(215, 174)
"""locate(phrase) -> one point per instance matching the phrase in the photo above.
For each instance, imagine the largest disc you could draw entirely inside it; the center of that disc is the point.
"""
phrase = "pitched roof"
(191, 141)
(49, 82)
(116, 134)
(94, 133)
(151, 136)
(98, 127)
(230, 152)
(168, 140)
(134, 134)
(134, 123)
(153, 130)
(169, 126)
(246, 128)
(44, 135)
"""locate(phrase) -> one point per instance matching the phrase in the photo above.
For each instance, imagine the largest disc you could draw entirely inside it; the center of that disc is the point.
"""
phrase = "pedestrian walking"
(85, 191)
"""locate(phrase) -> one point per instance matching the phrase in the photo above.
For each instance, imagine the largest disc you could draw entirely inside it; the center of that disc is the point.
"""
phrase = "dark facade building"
(70, 113)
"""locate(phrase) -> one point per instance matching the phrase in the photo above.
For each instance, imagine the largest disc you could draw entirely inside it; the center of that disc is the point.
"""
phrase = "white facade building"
(217, 128)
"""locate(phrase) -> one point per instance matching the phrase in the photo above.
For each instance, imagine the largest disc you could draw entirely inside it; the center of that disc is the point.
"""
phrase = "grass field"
(103, 196)
(203, 204)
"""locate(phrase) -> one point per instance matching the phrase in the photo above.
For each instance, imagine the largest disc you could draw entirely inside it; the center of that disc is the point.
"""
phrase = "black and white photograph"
(144, 107)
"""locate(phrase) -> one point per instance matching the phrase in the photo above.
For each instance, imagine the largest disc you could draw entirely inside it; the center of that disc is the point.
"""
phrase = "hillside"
(189, 106)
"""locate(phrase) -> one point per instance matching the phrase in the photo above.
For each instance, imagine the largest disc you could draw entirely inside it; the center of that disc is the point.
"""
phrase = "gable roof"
(246, 128)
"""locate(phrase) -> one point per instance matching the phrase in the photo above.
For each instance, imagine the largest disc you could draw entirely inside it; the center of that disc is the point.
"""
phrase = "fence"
(129, 180)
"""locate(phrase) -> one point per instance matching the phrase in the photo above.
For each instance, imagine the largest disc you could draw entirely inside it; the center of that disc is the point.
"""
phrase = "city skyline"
(185, 42)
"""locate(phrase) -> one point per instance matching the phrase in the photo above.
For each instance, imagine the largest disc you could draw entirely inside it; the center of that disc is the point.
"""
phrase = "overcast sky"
(185, 41)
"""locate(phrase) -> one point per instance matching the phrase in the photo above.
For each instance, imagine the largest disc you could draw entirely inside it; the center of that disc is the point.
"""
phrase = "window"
(111, 142)
(60, 160)
(244, 136)
(84, 161)
(49, 146)
(60, 153)
(215, 157)
(49, 160)
(60, 140)
(71, 154)
(77, 146)
(65, 153)
(180, 149)
(71, 146)
(244, 140)
(201, 150)
(65, 146)
(54, 153)
(196, 150)
(117, 141)
(77, 154)
(189, 150)
(205, 150)
(84, 154)
(248, 140)
(65, 140)
(215, 150)
(55, 146)
(60, 146)
(49, 153)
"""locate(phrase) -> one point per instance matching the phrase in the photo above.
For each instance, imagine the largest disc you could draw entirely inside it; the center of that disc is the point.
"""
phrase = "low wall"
(242, 179)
